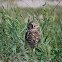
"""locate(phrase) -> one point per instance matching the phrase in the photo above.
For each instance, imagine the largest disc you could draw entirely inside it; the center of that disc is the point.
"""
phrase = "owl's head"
(33, 25)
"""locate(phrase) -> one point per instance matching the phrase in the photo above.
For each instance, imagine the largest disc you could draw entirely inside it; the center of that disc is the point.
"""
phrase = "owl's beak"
(29, 27)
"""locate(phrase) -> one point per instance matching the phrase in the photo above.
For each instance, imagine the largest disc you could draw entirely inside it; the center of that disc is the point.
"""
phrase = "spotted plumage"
(32, 37)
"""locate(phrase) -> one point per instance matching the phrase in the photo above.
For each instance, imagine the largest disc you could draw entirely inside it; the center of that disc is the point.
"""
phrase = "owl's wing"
(29, 39)
(28, 36)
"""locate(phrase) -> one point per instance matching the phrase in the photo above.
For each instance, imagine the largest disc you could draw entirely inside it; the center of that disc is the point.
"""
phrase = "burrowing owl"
(32, 37)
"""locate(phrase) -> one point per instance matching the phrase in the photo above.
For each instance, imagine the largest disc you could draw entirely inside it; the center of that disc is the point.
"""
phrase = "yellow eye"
(35, 24)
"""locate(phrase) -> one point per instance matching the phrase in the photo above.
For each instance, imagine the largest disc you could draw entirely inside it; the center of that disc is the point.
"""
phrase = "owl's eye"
(30, 26)
(35, 25)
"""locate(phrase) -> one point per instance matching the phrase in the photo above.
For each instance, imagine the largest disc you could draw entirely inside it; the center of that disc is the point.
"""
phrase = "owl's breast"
(33, 37)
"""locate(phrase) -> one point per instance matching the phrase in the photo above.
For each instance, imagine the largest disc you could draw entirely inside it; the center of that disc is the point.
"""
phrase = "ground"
(13, 30)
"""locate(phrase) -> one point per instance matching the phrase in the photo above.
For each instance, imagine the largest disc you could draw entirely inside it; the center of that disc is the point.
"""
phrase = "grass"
(13, 29)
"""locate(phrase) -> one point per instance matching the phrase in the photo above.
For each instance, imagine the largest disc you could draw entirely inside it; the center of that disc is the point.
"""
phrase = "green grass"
(13, 29)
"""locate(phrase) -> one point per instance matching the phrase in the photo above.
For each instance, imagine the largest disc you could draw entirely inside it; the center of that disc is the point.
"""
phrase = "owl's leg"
(33, 50)
(29, 48)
